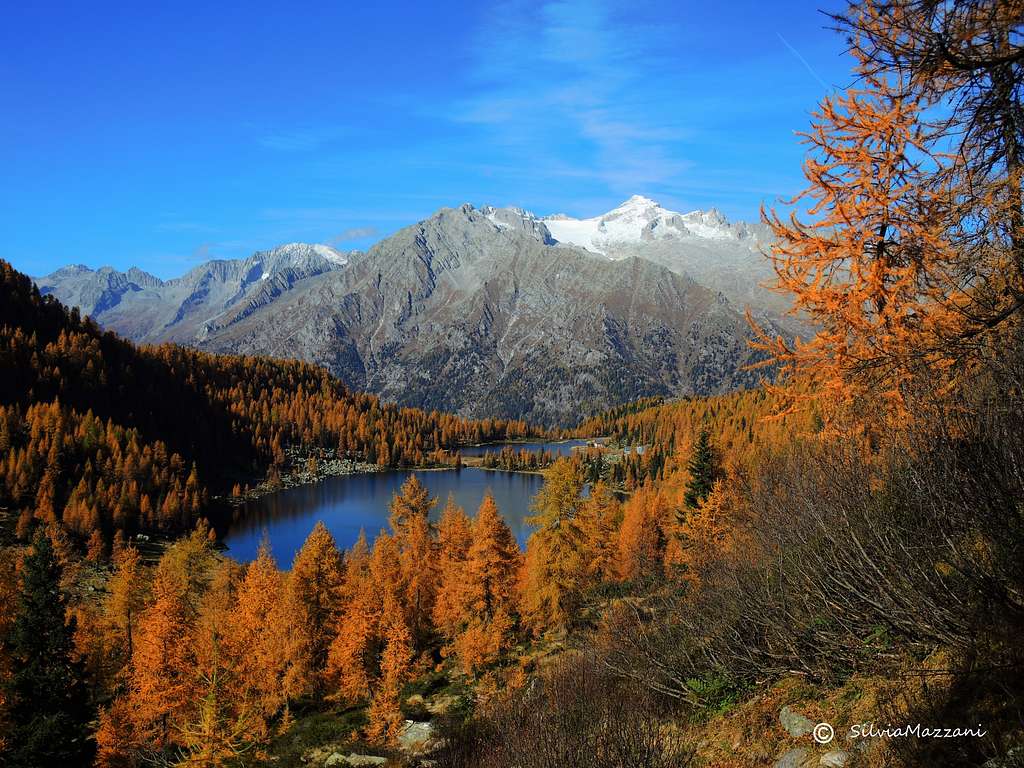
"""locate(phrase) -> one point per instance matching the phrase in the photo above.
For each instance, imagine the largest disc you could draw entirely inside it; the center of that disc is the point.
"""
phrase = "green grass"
(320, 729)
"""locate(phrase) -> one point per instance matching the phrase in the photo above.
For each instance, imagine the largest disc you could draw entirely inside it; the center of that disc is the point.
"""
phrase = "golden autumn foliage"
(454, 536)
(746, 426)
(126, 598)
(313, 592)
(909, 260)
(349, 656)
(599, 519)
(413, 536)
(553, 570)
(492, 562)
(162, 686)
(869, 267)
(492, 567)
(264, 639)
(396, 659)
(643, 536)
(905, 259)
(706, 534)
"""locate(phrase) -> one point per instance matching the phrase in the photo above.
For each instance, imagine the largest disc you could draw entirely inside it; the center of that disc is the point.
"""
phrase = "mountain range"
(484, 312)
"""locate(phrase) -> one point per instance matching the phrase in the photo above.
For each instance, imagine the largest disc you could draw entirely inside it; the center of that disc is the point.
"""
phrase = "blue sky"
(135, 135)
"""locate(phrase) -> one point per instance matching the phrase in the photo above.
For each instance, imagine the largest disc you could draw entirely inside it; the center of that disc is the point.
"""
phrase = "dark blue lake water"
(349, 503)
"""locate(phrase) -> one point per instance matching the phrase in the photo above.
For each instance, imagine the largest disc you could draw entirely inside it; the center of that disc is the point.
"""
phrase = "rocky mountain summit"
(486, 312)
(147, 309)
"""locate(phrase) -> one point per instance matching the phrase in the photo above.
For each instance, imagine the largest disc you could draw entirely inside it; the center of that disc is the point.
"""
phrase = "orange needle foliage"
(264, 639)
(313, 593)
(871, 268)
(454, 536)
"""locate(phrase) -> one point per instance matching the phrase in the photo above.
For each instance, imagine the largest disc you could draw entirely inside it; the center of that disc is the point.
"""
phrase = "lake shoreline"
(328, 466)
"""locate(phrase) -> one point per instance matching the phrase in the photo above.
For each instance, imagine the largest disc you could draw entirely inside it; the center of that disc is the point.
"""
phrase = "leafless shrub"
(857, 560)
(573, 715)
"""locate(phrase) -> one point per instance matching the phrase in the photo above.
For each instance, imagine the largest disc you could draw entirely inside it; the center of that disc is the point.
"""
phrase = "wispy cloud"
(355, 233)
(571, 72)
(201, 252)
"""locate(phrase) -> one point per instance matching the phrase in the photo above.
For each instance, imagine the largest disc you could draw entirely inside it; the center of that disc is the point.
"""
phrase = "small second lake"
(350, 503)
(560, 448)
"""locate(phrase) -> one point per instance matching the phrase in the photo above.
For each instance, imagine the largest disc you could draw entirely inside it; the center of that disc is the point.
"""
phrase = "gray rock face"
(147, 309)
(835, 759)
(796, 725)
(415, 737)
(338, 760)
(794, 758)
(465, 311)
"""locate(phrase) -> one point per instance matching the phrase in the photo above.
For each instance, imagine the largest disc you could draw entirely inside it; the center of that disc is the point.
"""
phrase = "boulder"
(795, 758)
(796, 725)
(835, 759)
(415, 737)
(364, 761)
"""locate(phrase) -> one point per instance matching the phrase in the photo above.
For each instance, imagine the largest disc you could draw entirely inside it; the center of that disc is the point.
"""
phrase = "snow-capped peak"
(638, 219)
(323, 251)
(638, 202)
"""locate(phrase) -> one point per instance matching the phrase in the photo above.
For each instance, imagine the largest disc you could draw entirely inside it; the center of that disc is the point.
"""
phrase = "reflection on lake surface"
(349, 503)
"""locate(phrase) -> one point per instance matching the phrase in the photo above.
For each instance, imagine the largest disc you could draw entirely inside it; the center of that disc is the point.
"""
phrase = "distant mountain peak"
(637, 202)
(323, 251)
(641, 219)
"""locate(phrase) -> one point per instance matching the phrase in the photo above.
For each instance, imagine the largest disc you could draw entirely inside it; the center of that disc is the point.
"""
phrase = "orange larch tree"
(642, 537)
(264, 642)
(163, 682)
(313, 592)
(413, 535)
(553, 570)
(493, 564)
(454, 536)
(599, 519)
(396, 658)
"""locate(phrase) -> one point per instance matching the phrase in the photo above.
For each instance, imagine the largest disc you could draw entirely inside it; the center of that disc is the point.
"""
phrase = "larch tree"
(218, 733)
(162, 673)
(642, 537)
(553, 567)
(909, 257)
(413, 535)
(385, 714)
(264, 642)
(352, 653)
(967, 57)
(705, 535)
(493, 563)
(126, 598)
(454, 536)
(313, 594)
(599, 519)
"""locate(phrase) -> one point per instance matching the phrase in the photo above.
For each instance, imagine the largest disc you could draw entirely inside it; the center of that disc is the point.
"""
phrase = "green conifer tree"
(49, 708)
(704, 470)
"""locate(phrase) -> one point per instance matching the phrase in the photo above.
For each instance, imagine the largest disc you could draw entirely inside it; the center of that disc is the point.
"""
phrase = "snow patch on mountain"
(323, 251)
(641, 220)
